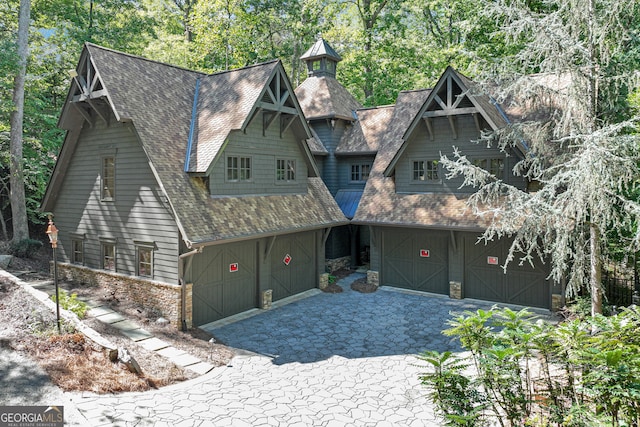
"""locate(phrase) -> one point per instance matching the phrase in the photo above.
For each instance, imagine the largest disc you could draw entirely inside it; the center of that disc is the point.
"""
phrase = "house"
(191, 193)
(350, 136)
(206, 195)
(423, 237)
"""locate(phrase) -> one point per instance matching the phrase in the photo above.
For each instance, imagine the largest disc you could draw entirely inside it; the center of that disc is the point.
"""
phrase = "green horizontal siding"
(139, 211)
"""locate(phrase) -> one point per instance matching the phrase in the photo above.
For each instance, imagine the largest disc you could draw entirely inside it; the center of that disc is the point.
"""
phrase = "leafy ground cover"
(74, 362)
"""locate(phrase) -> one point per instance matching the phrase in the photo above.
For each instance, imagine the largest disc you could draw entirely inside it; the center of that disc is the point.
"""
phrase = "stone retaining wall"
(333, 265)
(162, 297)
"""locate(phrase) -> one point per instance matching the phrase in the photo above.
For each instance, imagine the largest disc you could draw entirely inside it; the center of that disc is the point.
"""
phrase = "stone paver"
(153, 344)
(184, 360)
(111, 317)
(346, 359)
(137, 334)
(125, 325)
(170, 352)
(100, 311)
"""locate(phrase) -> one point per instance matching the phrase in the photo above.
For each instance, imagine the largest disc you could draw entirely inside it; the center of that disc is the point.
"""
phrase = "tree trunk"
(17, 194)
(596, 271)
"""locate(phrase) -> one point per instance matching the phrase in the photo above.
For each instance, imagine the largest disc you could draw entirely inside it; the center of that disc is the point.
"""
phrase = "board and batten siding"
(420, 146)
(263, 151)
(138, 213)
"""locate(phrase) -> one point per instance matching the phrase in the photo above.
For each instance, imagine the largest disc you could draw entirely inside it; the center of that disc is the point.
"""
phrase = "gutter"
(182, 259)
(199, 245)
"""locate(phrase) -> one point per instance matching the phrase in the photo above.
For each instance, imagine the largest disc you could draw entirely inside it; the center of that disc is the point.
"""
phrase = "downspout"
(182, 260)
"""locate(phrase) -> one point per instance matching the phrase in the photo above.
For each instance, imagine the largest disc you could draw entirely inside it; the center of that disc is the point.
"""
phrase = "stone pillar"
(267, 297)
(324, 281)
(455, 290)
(556, 302)
(188, 305)
(373, 277)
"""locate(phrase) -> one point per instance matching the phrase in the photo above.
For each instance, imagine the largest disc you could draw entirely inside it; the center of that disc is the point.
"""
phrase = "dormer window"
(285, 170)
(238, 168)
(426, 170)
(360, 172)
(494, 166)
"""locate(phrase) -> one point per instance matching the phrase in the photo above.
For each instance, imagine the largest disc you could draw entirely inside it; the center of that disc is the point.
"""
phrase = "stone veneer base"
(163, 297)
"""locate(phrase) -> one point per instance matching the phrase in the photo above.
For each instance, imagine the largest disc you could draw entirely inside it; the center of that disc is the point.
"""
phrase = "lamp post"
(52, 232)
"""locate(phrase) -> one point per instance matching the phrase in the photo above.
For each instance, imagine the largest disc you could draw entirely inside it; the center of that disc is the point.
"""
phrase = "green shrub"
(25, 248)
(455, 396)
(582, 372)
(71, 303)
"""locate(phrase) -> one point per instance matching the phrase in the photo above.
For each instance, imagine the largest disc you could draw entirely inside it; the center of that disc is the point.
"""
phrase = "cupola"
(321, 59)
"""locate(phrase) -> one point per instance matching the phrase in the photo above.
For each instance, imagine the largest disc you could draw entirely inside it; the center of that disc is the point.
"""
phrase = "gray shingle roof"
(368, 132)
(158, 99)
(224, 102)
(315, 144)
(324, 97)
(381, 205)
(320, 48)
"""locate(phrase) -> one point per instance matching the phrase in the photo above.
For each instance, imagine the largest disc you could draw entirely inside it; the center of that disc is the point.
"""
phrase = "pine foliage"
(569, 83)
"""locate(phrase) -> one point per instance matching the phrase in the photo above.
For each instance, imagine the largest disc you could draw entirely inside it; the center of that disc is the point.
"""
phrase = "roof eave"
(374, 223)
(245, 237)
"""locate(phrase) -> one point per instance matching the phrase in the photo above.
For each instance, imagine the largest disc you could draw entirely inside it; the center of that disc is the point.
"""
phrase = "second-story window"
(238, 168)
(431, 170)
(285, 170)
(494, 166)
(426, 170)
(108, 179)
(360, 172)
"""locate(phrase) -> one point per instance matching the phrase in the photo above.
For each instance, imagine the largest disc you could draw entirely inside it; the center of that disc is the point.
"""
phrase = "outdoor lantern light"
(52, 232)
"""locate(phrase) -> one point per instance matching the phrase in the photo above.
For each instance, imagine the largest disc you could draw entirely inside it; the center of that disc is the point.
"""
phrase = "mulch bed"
(361, 285)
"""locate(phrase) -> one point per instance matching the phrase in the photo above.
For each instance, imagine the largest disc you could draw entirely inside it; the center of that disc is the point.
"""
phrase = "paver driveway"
(346, 359)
